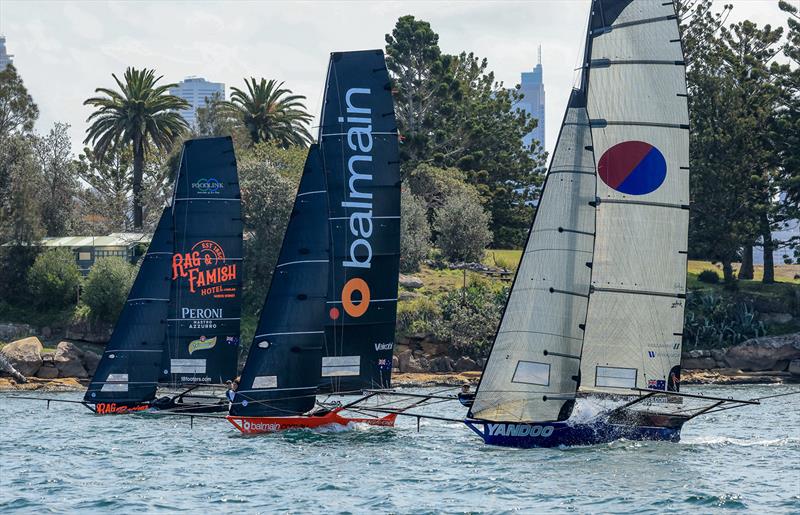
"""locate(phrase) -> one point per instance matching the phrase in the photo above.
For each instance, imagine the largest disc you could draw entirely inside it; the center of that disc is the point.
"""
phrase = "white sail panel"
(536, 351)
(636, 100)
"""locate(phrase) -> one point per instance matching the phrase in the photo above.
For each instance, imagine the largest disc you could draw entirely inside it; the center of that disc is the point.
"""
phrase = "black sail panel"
(359, 145)
(129, 369)
(206, 267)
(282, 370)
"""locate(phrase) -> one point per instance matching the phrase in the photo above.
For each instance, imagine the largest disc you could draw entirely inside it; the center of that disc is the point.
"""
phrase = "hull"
(260, 425)
(557, 434)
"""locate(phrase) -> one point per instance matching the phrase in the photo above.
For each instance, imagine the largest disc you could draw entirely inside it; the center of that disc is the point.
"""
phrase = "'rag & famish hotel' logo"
(359, 200)
(205, 269)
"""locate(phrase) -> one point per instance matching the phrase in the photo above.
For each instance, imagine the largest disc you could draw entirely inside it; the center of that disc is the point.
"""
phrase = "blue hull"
(556, 434)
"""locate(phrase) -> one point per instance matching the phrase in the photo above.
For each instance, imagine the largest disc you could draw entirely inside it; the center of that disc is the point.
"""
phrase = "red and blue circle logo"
(633, 167)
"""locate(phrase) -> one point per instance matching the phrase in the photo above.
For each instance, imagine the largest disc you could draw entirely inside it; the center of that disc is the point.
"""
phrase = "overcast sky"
(64, 50)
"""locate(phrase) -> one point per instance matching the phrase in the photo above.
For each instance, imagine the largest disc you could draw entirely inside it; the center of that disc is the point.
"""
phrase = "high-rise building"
(196, 90)
(532, 89)
(5, 58)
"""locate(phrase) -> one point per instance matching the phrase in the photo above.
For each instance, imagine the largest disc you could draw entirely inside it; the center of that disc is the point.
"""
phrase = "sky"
(65, 49)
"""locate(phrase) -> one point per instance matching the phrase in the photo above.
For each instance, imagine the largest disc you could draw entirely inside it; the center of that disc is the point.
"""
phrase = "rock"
(794, 367)
(84, 331)
(719, 356)
(395, 363)
(10, 332)
(465, 364)
(407, 295)
(69, 360)
(7, 368)
(417, 364)
(24, 355)
(411, 282)
(90, 361)
(46, 332)
(434, 348)
(764, 353)
(776, 318)
(403, 358)
(47, 372)
(698, 363)
(441, 364)
(697, 354)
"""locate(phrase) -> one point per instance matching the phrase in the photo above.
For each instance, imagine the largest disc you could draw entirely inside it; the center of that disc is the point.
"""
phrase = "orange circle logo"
(355, 285)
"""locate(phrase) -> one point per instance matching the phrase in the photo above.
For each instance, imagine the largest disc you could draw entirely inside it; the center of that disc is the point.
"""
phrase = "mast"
(129, 368)
(360, 156)
(206, 267)
(636, 99)
(282, 371)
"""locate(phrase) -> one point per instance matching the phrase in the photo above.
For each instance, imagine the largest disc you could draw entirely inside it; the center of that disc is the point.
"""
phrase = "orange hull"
(258, 425)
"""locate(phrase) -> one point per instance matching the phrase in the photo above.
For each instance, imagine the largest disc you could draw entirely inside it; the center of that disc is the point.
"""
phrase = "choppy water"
(67, 460)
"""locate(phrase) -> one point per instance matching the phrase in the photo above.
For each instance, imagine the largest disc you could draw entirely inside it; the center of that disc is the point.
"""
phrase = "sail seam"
(311, 193)
(131, 350)
(289, 333)
(192, 319)
(539, 332)
(147, 298)
(371, 300)
(605, 63)
(214, 199)
(571, 171)
(371, 133)
(374, 217)
(558, 250)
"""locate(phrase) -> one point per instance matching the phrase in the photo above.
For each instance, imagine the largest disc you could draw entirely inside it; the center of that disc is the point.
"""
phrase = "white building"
(196, 90)
(5, 58)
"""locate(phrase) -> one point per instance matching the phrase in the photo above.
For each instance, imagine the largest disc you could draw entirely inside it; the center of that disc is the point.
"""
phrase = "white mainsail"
(537, 348)
(636, 100)
(599, 295)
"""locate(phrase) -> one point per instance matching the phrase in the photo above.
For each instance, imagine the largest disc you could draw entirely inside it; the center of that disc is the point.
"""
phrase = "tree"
(107, 287)
(452, 112)
(462, 226)
(142, 115)
(105, 204)
(270, 112)
(20, 214)
(54, 278)
(268, 177)
(415, 232)
(54, 153)
(18, 112)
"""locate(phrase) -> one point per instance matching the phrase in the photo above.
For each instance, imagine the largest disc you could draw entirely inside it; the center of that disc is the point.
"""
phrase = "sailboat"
(596, 308)
(327, 324)
(179, 326)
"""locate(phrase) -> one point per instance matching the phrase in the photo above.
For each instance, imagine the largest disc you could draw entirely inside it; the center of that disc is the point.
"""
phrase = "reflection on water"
(65, 460)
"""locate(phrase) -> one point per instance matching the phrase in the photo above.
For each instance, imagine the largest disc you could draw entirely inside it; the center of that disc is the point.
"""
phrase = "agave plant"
(270, 112)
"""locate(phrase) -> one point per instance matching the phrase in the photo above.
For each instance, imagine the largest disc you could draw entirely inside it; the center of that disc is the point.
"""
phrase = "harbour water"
(66, 460)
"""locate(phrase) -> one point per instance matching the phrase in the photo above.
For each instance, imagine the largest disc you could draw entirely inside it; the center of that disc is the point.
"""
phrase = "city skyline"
(74, 41)
(533, 101)
(5, 58)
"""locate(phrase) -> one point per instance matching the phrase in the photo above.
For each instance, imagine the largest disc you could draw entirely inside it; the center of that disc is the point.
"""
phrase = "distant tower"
(5, 58)
(196, 90)
(532, 87)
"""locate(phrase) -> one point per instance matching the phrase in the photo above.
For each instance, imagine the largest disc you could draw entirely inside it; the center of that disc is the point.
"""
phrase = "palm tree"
(140, 114)
(270, 112)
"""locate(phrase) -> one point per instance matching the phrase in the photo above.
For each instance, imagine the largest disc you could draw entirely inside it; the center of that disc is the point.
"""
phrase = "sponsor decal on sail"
(356, 292)
(210, 186)
(108, 408)
(206, 270)
(202, 343)
(633, 168)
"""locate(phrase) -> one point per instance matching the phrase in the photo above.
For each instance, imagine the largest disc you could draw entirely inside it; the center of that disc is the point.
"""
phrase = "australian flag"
(385, 364)
(657, 384)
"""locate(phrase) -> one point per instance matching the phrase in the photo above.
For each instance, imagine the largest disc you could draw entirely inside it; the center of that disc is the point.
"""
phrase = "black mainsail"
(206, 273)
(360, 156)
(180, 322)
(128, 371)
(281, 374)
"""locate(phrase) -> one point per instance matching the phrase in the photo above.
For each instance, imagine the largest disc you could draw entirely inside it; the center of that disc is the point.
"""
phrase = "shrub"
(708, 276)
(470, 317)
(415, 233)
(54, 278)
(418, 316)
(107, 287)
(462, 226)
(717, 321)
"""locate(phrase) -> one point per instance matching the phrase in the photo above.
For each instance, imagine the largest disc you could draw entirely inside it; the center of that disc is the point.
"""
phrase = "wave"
(740, 442)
